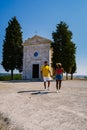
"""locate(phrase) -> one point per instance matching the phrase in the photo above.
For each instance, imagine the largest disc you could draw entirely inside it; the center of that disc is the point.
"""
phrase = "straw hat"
(59, 64)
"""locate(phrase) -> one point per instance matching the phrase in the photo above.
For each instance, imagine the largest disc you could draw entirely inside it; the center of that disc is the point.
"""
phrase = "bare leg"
(48, 84)
(60, 84)
(44, 85)
(57, 84)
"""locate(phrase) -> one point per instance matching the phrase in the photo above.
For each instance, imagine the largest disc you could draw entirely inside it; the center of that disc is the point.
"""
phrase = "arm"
(63, 70)
(41, 74)
(50, 72)
(41, 71)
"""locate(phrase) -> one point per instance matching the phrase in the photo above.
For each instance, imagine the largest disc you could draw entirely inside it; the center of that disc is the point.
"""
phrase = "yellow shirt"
(45, 71)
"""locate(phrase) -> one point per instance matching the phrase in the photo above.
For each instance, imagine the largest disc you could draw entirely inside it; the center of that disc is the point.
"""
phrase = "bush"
(8, 77)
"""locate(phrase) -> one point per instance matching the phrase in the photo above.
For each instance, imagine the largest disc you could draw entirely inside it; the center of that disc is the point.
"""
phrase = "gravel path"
(25, 105)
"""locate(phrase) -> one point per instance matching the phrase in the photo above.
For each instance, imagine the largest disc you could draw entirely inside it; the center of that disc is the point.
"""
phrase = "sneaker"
(48, 89)
(44, 89)
(57, 91)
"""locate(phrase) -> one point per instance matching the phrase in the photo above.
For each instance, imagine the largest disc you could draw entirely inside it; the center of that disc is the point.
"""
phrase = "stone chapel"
(36, 50)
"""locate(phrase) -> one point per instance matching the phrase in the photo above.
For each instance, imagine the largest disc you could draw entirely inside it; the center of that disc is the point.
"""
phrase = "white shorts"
(47, 79)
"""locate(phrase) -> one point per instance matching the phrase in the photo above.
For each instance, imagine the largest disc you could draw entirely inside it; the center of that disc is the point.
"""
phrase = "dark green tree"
(69, 58)
(73, 69)
(63, 48)
(12, 47)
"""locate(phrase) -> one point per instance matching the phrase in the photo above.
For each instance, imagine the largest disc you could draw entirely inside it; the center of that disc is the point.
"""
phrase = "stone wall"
(29, 58)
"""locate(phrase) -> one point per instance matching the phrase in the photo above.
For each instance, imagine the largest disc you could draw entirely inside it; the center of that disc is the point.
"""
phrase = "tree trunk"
(11, 74)
(71, 76)
(66, 76)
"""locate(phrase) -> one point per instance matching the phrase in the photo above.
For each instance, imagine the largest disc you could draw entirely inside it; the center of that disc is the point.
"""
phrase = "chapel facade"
(36, 50)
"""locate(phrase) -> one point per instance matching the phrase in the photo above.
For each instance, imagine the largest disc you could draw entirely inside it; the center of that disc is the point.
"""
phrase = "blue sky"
(40, 17)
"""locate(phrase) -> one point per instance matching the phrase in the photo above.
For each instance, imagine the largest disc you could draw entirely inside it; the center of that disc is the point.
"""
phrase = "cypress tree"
(12, 47)
(63, 48)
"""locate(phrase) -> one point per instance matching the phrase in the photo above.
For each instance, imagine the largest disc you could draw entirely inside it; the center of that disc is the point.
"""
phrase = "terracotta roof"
(37, 40)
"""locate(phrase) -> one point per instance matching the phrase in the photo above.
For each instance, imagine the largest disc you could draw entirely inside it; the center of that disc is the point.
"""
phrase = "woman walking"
(59, 75)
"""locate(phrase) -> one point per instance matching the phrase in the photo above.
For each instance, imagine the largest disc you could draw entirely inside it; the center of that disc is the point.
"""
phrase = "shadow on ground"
(34, 92)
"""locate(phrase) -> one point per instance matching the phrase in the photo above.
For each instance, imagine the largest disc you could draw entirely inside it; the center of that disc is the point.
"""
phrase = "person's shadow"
(34, 92)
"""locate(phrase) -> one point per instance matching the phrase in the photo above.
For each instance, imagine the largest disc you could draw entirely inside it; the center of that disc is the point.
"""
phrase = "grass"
(4, 122)
(8, 77)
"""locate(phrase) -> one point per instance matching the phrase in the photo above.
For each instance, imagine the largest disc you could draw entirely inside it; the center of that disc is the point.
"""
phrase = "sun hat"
(59, 64)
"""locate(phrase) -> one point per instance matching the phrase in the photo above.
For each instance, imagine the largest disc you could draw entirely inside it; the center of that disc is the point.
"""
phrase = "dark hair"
(59, 66)
(45, 62)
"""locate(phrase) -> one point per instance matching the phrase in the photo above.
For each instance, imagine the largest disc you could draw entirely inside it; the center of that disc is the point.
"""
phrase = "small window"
(35, 54)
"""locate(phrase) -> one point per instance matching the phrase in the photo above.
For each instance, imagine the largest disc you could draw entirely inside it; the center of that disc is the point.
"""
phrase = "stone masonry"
(36, 50)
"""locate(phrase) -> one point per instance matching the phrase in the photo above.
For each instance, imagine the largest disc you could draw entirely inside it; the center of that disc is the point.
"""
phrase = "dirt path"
(26, 106)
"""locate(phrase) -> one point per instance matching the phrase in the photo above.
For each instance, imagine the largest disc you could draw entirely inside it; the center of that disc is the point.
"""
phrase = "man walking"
(46, 74)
